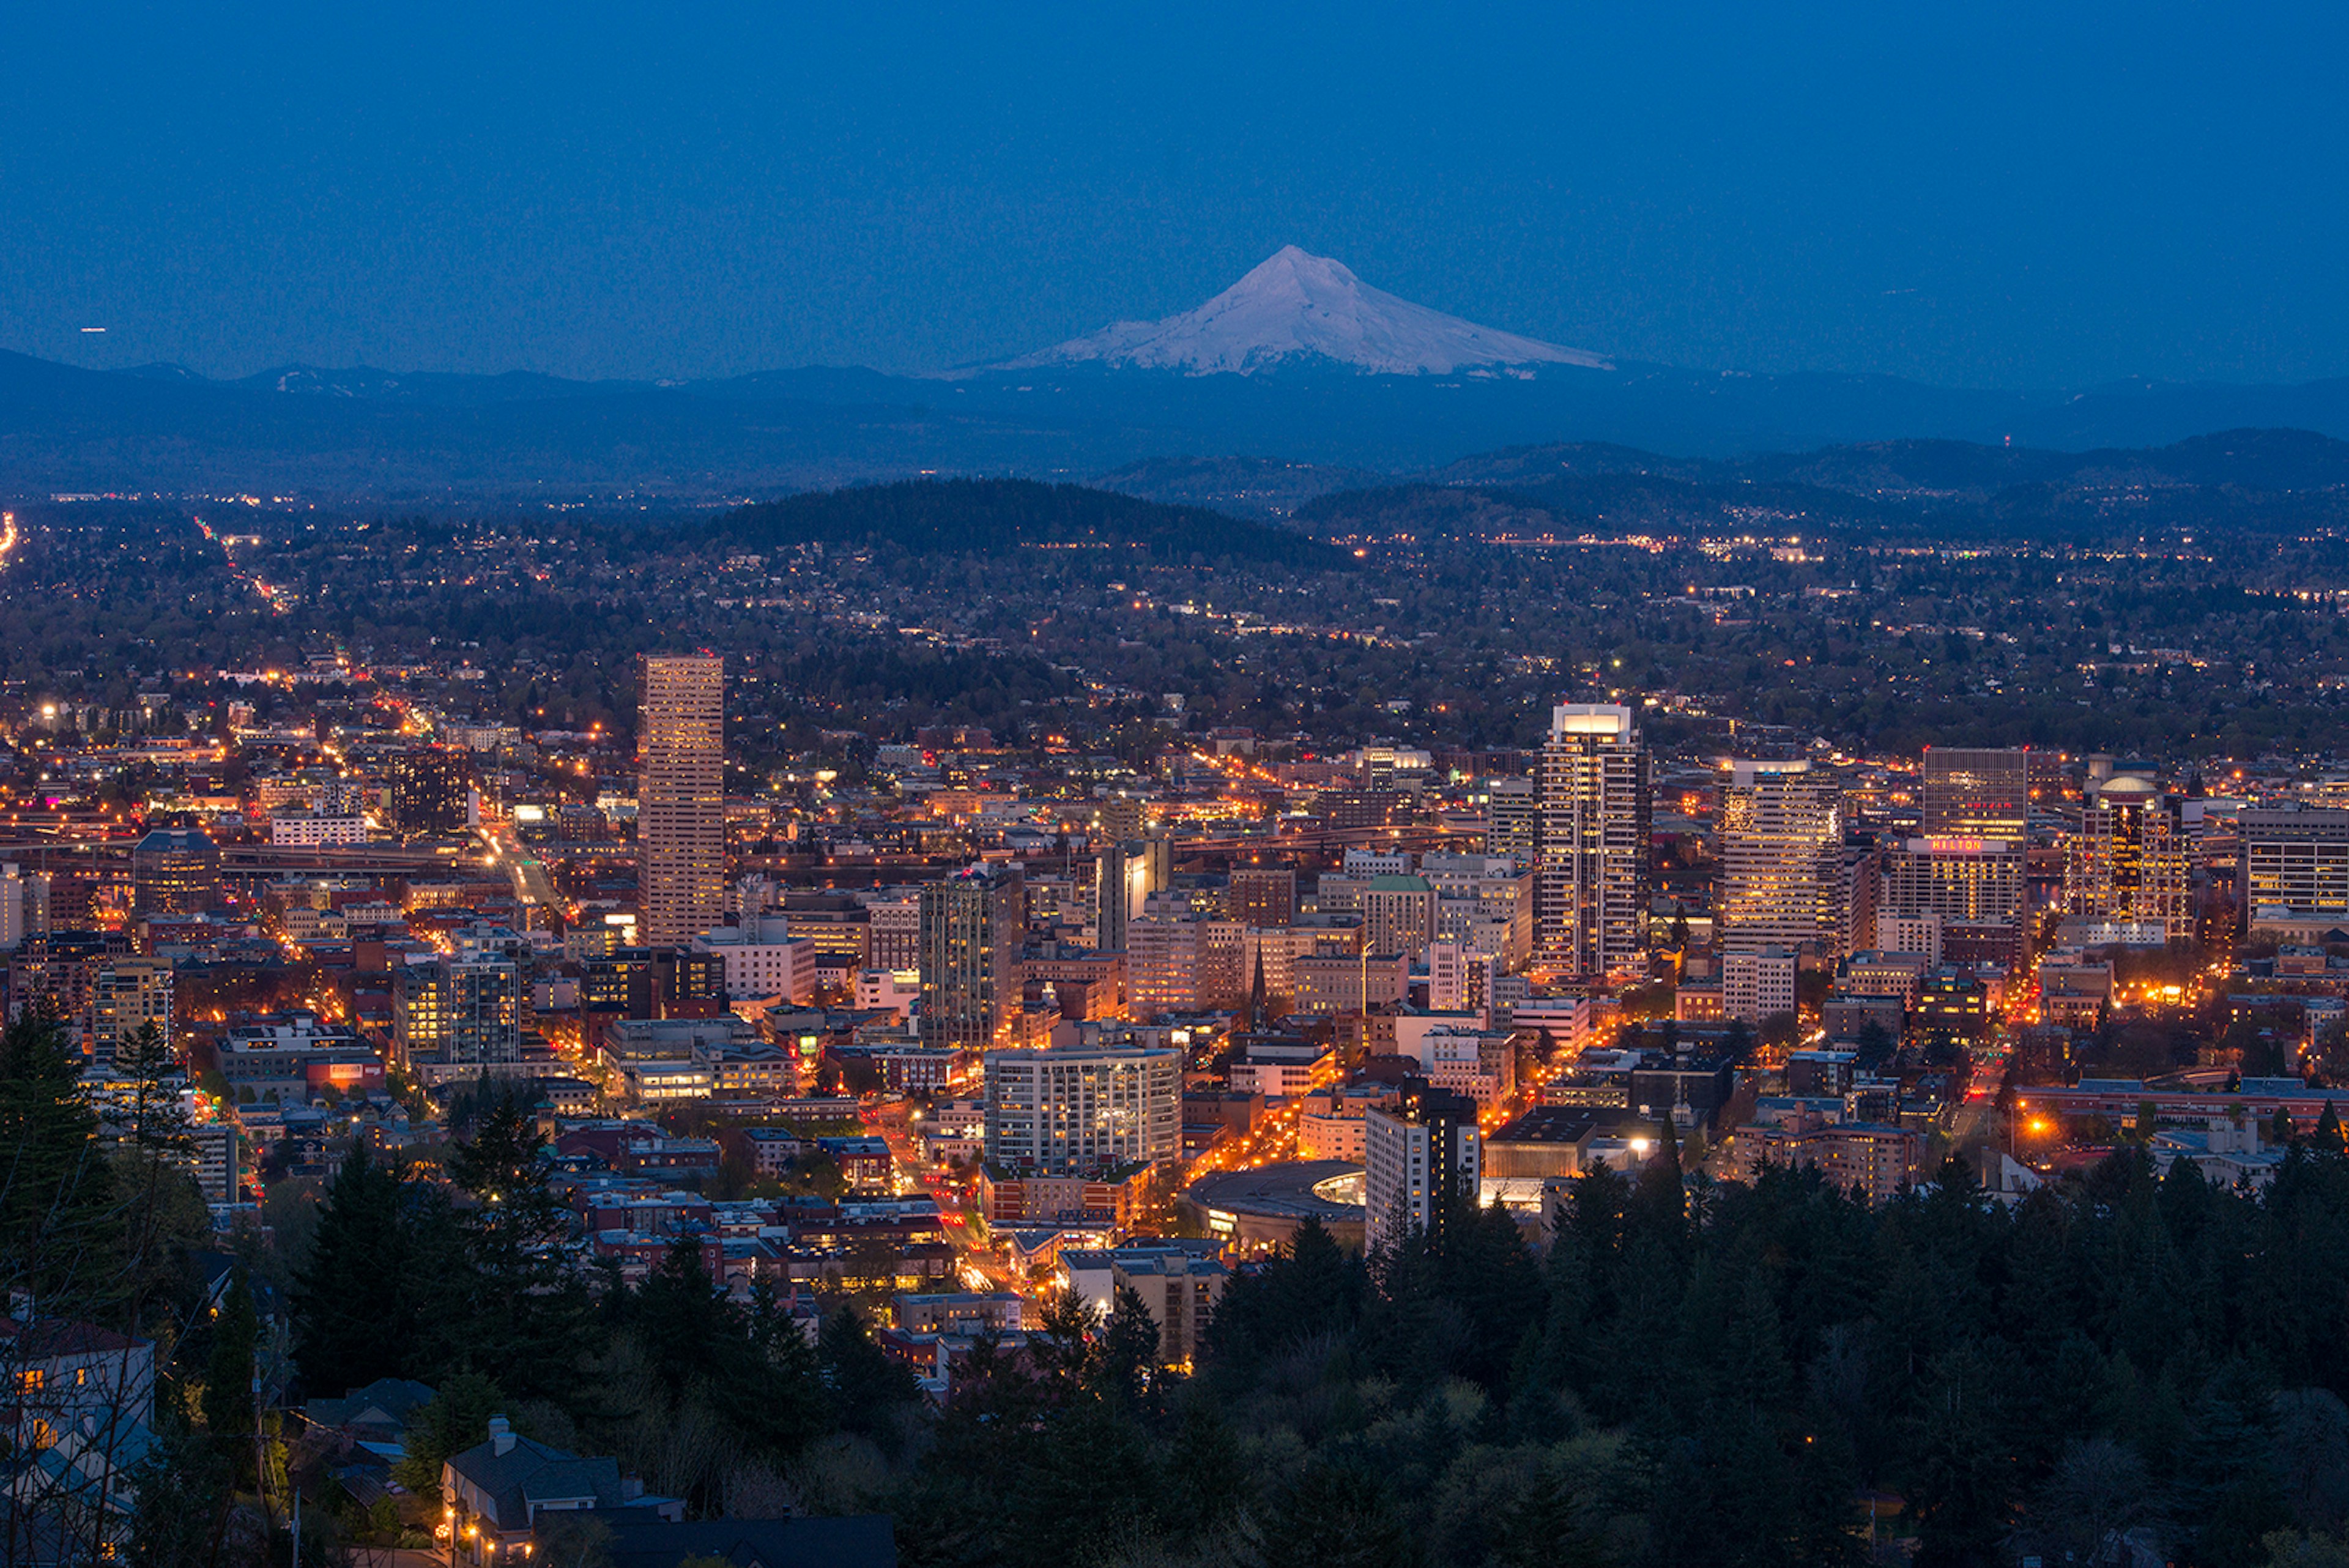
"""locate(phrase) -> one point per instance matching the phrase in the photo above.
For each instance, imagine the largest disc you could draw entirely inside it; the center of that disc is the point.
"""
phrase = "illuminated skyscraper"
(1975, 794)
(2131, 857)
(1781, 857)
(680, 796)
(1591, 899)
(974, 926)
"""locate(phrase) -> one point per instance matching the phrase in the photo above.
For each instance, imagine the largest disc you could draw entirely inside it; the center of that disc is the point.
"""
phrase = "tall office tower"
(680, 796)
(974, 926)
(2131, 857)
(1591, 898)
(1084, 1110)
(124, 996)
(1970, 793)
(1125, 874)
(1781, 857)
(432, 790)
(1513, 818)
(1416, 1158)
(2292, 868)
(174, 872)
(1262, 897)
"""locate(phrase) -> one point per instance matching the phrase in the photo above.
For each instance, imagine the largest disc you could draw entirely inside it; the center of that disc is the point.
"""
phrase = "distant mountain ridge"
(431, 438)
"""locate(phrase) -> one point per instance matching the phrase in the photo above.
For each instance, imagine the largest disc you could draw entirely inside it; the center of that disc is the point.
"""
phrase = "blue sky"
(1989, 195)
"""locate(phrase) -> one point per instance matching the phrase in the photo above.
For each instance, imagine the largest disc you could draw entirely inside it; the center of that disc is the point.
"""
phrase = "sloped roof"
(530, 1472)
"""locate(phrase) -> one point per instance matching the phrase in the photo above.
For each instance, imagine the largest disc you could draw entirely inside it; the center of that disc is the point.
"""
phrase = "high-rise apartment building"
(973, 926)
(680, 795)
(1417, 1158)
(456, 1017)
(1082, 1110)
(2131, 858)
(24, 905)
(1591, 897)
(1969, 793)
(431, 790)
(1398, 916)
(1781, 857)
(124, 996)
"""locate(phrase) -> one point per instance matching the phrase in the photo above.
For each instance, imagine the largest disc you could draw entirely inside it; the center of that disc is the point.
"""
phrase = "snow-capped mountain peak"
(1298, 306)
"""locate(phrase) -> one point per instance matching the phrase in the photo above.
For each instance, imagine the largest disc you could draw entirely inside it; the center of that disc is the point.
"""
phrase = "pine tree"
(352, 1298)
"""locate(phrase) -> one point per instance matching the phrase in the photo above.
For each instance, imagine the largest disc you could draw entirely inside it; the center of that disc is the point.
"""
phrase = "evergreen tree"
(1127, 1351)
(228, 1372)
(2327, 1138)
(353, 1299)
(869, 1389)
(60, 1234)
(1335, 1516)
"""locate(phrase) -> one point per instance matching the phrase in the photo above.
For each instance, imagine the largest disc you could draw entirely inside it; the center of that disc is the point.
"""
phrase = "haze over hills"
(1297, 368)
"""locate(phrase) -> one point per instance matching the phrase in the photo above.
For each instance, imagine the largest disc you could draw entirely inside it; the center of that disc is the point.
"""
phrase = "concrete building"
(762, 957)
(1261, 898)
(1165, 961)
(680, 796)
(1758, 983)
(1078, 1110)
(2292, 866)
(1398, 915)
(126, 995)
(974, 924)
(430, 791)
(1418, 1156)
(457, 1018)
(312, 830)
(1876, 1163)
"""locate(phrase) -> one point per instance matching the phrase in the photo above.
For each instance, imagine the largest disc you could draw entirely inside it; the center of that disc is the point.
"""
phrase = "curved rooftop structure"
(1264, 1207)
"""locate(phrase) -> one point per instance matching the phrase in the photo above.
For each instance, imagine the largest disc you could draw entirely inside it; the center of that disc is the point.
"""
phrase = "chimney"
(502, 1438)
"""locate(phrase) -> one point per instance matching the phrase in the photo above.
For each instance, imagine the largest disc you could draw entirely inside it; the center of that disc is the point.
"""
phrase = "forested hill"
(987, 516)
